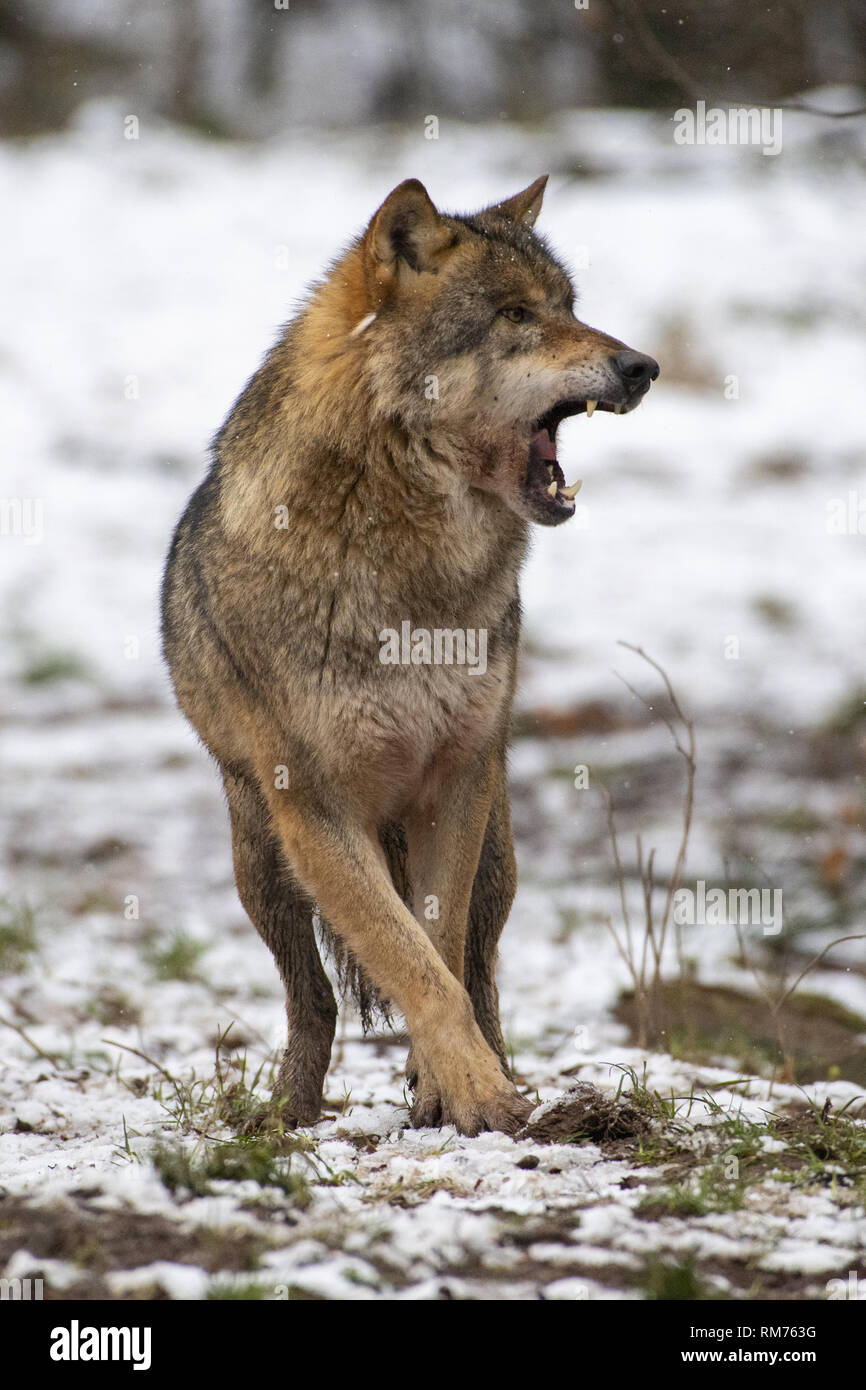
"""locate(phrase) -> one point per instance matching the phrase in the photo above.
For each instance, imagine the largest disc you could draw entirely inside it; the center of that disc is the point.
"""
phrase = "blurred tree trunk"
(186, 103)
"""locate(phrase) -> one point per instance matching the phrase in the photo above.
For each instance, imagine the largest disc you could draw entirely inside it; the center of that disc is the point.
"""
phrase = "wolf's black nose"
(636, 369)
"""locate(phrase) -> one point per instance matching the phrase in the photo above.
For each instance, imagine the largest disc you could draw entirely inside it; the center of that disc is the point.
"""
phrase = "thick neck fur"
(314, 472)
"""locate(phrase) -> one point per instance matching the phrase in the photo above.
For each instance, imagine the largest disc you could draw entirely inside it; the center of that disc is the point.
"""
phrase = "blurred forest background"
(236, 67)
(722, 529)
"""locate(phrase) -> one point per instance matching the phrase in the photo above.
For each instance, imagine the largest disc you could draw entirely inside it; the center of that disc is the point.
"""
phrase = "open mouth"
(552, 499)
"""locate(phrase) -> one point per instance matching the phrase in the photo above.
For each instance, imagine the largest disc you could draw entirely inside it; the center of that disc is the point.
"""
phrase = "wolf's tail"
(353, 979)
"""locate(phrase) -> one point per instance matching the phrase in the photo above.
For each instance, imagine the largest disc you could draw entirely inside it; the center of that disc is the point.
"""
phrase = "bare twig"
(861, 936)
(627, 960)
(776, 1003)
(655, 929)
(687, 753)
(144, 1057)
(7, 1023)
(611, 825)
(677, 74)
(657, 51)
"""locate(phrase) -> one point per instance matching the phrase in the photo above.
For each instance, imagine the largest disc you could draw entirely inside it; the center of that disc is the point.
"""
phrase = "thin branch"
(656, 49)
(144, 1057)
(7, 1023)
(639, 651)
(649, 939)
(645, 702)
(820, 956)
(687, 754)
(678, 75)
(654, 932)
(608, 921)
(611, 825)
(760, 980)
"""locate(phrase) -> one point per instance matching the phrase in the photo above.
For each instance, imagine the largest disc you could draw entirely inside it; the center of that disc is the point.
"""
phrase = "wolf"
(384, 466)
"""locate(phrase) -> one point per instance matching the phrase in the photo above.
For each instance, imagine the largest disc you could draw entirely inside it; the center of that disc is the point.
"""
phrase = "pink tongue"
(543, 446)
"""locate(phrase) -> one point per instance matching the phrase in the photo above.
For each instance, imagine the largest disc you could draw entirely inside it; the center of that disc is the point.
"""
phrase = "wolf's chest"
(432, 718)
(400, 733)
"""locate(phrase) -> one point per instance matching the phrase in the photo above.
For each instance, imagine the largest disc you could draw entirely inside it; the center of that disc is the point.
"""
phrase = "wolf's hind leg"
(283, 916)
(492, 895)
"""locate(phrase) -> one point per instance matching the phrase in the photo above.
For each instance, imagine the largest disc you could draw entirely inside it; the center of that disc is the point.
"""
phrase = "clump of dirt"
(584, 1112)
(811, 1038)
(583, 717)
(100, 1241)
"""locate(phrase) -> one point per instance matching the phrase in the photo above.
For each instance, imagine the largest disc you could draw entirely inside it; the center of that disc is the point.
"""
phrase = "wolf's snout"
(636, 370)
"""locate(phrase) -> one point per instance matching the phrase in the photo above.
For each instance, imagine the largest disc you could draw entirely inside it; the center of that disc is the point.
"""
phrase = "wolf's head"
(467, 328)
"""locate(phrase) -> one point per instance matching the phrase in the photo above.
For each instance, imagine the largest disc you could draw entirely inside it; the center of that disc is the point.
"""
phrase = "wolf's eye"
(515, 313)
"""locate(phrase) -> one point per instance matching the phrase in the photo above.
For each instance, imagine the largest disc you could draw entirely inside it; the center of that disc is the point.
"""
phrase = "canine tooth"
(571, 492)
(617, 409)
(550, 471)
(590, 407)
(552, 488)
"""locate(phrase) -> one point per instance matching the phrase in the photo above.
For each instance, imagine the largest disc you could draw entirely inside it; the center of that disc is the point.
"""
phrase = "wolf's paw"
(506, 1112)
(413, 1067)
(472, 1096)
(426, 1109)
(279, 1116)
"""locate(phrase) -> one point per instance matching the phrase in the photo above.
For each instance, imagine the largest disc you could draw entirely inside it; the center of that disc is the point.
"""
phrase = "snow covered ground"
(142, 281)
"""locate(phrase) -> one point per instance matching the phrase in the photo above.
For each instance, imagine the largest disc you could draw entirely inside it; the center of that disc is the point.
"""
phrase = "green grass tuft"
(55, 666)
(17, 935)
(267, 1162)
(663, 1281)
(177, 960)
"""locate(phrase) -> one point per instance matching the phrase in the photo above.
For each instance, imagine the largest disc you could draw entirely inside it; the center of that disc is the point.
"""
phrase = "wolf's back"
(182, 582)
(202, 666)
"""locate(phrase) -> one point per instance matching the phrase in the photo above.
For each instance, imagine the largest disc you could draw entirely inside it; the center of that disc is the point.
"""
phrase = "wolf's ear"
(406, 231)
(526, 205)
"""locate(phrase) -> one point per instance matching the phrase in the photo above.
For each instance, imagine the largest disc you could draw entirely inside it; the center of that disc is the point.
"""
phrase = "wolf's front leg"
(445, 847)
(342, 866)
